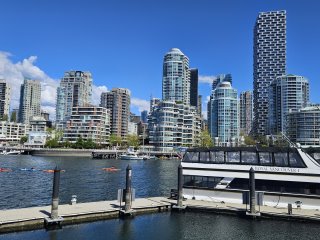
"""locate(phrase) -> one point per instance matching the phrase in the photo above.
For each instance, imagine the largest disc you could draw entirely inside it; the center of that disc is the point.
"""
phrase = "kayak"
(111, 169)
(5, 170)
(52, 170)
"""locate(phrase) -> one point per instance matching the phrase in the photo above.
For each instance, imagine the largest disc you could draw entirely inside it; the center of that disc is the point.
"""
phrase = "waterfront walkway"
(33, 217)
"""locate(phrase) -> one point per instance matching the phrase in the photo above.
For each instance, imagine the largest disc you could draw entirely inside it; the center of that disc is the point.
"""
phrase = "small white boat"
(131, 156)
(11, 152)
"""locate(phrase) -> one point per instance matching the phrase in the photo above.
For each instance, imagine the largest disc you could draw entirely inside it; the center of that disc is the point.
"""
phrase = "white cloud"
(206, 79)
(96, 93)
(14, 74)
(205, 115)
(207, 99)
(141, 104)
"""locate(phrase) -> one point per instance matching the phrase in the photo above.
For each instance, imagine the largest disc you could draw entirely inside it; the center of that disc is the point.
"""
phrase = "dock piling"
(128, 202)
(179, 205)
(252, 193)
(54, 218)
(128, 194)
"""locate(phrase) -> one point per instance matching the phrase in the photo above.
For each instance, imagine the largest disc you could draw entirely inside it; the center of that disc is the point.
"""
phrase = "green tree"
(5, 118)
(67, 144)
(23, 139)
(79, 143)
(248, 140)
(279, 141)
(115, 140)
(133, 140)
(89, 144)
(52, 143)
(262, 140)
(13, 117)
(58, 134)
(205, 139)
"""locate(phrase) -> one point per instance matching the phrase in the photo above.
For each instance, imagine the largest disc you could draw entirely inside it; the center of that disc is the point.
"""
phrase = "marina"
(220, 199)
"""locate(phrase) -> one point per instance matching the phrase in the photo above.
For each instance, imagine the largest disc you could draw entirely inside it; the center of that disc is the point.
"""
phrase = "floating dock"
(34, 217)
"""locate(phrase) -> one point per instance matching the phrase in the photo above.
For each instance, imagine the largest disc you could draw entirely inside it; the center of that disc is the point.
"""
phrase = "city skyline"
(104, 51)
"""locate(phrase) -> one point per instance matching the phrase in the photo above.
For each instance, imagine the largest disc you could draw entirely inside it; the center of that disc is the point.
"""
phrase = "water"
(83, 177)
(169, 226)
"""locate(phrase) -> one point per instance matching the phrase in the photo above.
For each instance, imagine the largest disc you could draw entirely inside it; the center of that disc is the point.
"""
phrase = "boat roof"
(247, 149)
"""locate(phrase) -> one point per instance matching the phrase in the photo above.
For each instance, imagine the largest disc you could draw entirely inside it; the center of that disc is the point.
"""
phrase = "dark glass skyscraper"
(269, 62)
(194, 87)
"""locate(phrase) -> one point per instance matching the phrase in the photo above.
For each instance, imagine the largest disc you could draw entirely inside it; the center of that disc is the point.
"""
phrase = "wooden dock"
(33, 218)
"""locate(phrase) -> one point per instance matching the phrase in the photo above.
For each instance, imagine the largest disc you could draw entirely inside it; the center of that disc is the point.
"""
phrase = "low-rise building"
(89, 123)
(11, 132)
(38, 132)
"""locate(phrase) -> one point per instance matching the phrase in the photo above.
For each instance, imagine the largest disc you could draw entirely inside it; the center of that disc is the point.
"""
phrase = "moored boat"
(283, 175)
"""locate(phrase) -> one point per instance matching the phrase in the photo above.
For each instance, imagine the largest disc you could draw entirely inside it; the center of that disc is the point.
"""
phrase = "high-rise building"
(154, 102)
(218, 79)
(304, 126)
(246, 112)
(224, 119)
(144, 116)
(118, 103)
(5, 91)
(269, 62)
(176, 77)
(199, 107)
(221, 78)
(286, 93)
(89, 123)
(174, 124)
(194, 87)
(75, 90)
(134, 118)
(30, 100)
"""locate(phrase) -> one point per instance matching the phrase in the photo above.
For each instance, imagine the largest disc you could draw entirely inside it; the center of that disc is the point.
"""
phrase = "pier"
(113, 154)
(33, 218)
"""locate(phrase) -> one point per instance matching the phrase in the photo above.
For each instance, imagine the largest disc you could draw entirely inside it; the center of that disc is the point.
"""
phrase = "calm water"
(85, 178)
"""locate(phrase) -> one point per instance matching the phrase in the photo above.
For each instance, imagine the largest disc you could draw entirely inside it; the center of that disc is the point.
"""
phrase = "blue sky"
(122, 43)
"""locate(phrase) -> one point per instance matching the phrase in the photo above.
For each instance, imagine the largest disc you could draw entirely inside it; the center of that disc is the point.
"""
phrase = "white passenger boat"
(283, 175)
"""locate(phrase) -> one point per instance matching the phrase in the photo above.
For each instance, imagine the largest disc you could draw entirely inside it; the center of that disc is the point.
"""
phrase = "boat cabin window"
(191, 157)
(249, 158)
(204, 156)
(277, 186)
(232, 157)
(265, 158)
(200, 181)
(295, 161)
(246, 157)
(217, 157)
(281, 159)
